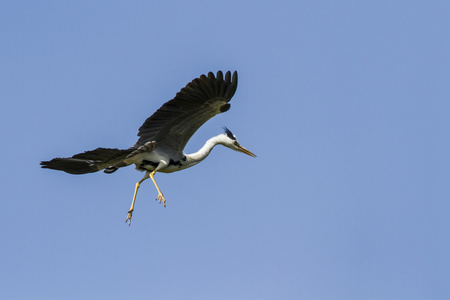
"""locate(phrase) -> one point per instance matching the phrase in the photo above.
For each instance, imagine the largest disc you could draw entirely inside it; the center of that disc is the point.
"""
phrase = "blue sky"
(345, 103)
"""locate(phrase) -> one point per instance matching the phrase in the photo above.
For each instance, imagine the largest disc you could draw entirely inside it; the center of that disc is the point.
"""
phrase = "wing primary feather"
(202, 83)
(219, 77)
(209, 83)
(231, 89)
(228, 76)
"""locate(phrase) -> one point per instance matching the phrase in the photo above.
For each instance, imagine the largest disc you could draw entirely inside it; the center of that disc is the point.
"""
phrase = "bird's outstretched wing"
(89, 161)
(177, 120)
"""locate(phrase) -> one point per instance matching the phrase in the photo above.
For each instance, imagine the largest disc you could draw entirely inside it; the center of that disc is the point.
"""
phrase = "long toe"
(130, 213)
(161, 197)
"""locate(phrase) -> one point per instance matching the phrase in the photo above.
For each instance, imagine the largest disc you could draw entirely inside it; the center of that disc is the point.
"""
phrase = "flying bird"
(164, 135)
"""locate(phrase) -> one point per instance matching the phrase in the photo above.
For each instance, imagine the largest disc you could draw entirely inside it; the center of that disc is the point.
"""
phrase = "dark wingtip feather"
(219, 76)
(231, 88)
(228, 76)
(69, 165)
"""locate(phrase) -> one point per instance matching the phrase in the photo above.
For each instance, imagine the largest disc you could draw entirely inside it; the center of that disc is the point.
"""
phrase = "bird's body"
(173, 162)
(164, 135)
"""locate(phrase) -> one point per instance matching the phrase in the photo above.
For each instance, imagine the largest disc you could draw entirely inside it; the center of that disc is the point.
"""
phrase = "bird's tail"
(89, 161)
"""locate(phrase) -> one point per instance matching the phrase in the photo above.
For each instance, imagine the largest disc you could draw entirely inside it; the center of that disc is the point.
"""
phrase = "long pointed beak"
(243, 150)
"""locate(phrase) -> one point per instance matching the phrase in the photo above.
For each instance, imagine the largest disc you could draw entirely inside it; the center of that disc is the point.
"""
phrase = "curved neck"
(195, 158)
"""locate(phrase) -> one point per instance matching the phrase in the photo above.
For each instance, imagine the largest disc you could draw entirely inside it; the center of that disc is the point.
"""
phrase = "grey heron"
(164, 135)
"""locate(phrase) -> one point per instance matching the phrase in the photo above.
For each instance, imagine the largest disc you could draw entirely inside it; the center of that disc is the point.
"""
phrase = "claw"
(130, 213)
(160, 197)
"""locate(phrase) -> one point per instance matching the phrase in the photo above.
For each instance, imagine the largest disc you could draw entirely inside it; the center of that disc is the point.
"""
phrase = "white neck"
(195, 158)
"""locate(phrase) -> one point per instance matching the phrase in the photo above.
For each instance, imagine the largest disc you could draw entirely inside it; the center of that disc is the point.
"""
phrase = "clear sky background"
(346, 104)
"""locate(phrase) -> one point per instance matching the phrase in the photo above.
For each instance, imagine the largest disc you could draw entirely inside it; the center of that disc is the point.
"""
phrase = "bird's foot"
(161, 197)
(130, 213)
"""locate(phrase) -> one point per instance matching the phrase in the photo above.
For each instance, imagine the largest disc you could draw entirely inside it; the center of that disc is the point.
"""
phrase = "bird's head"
(229, 140)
